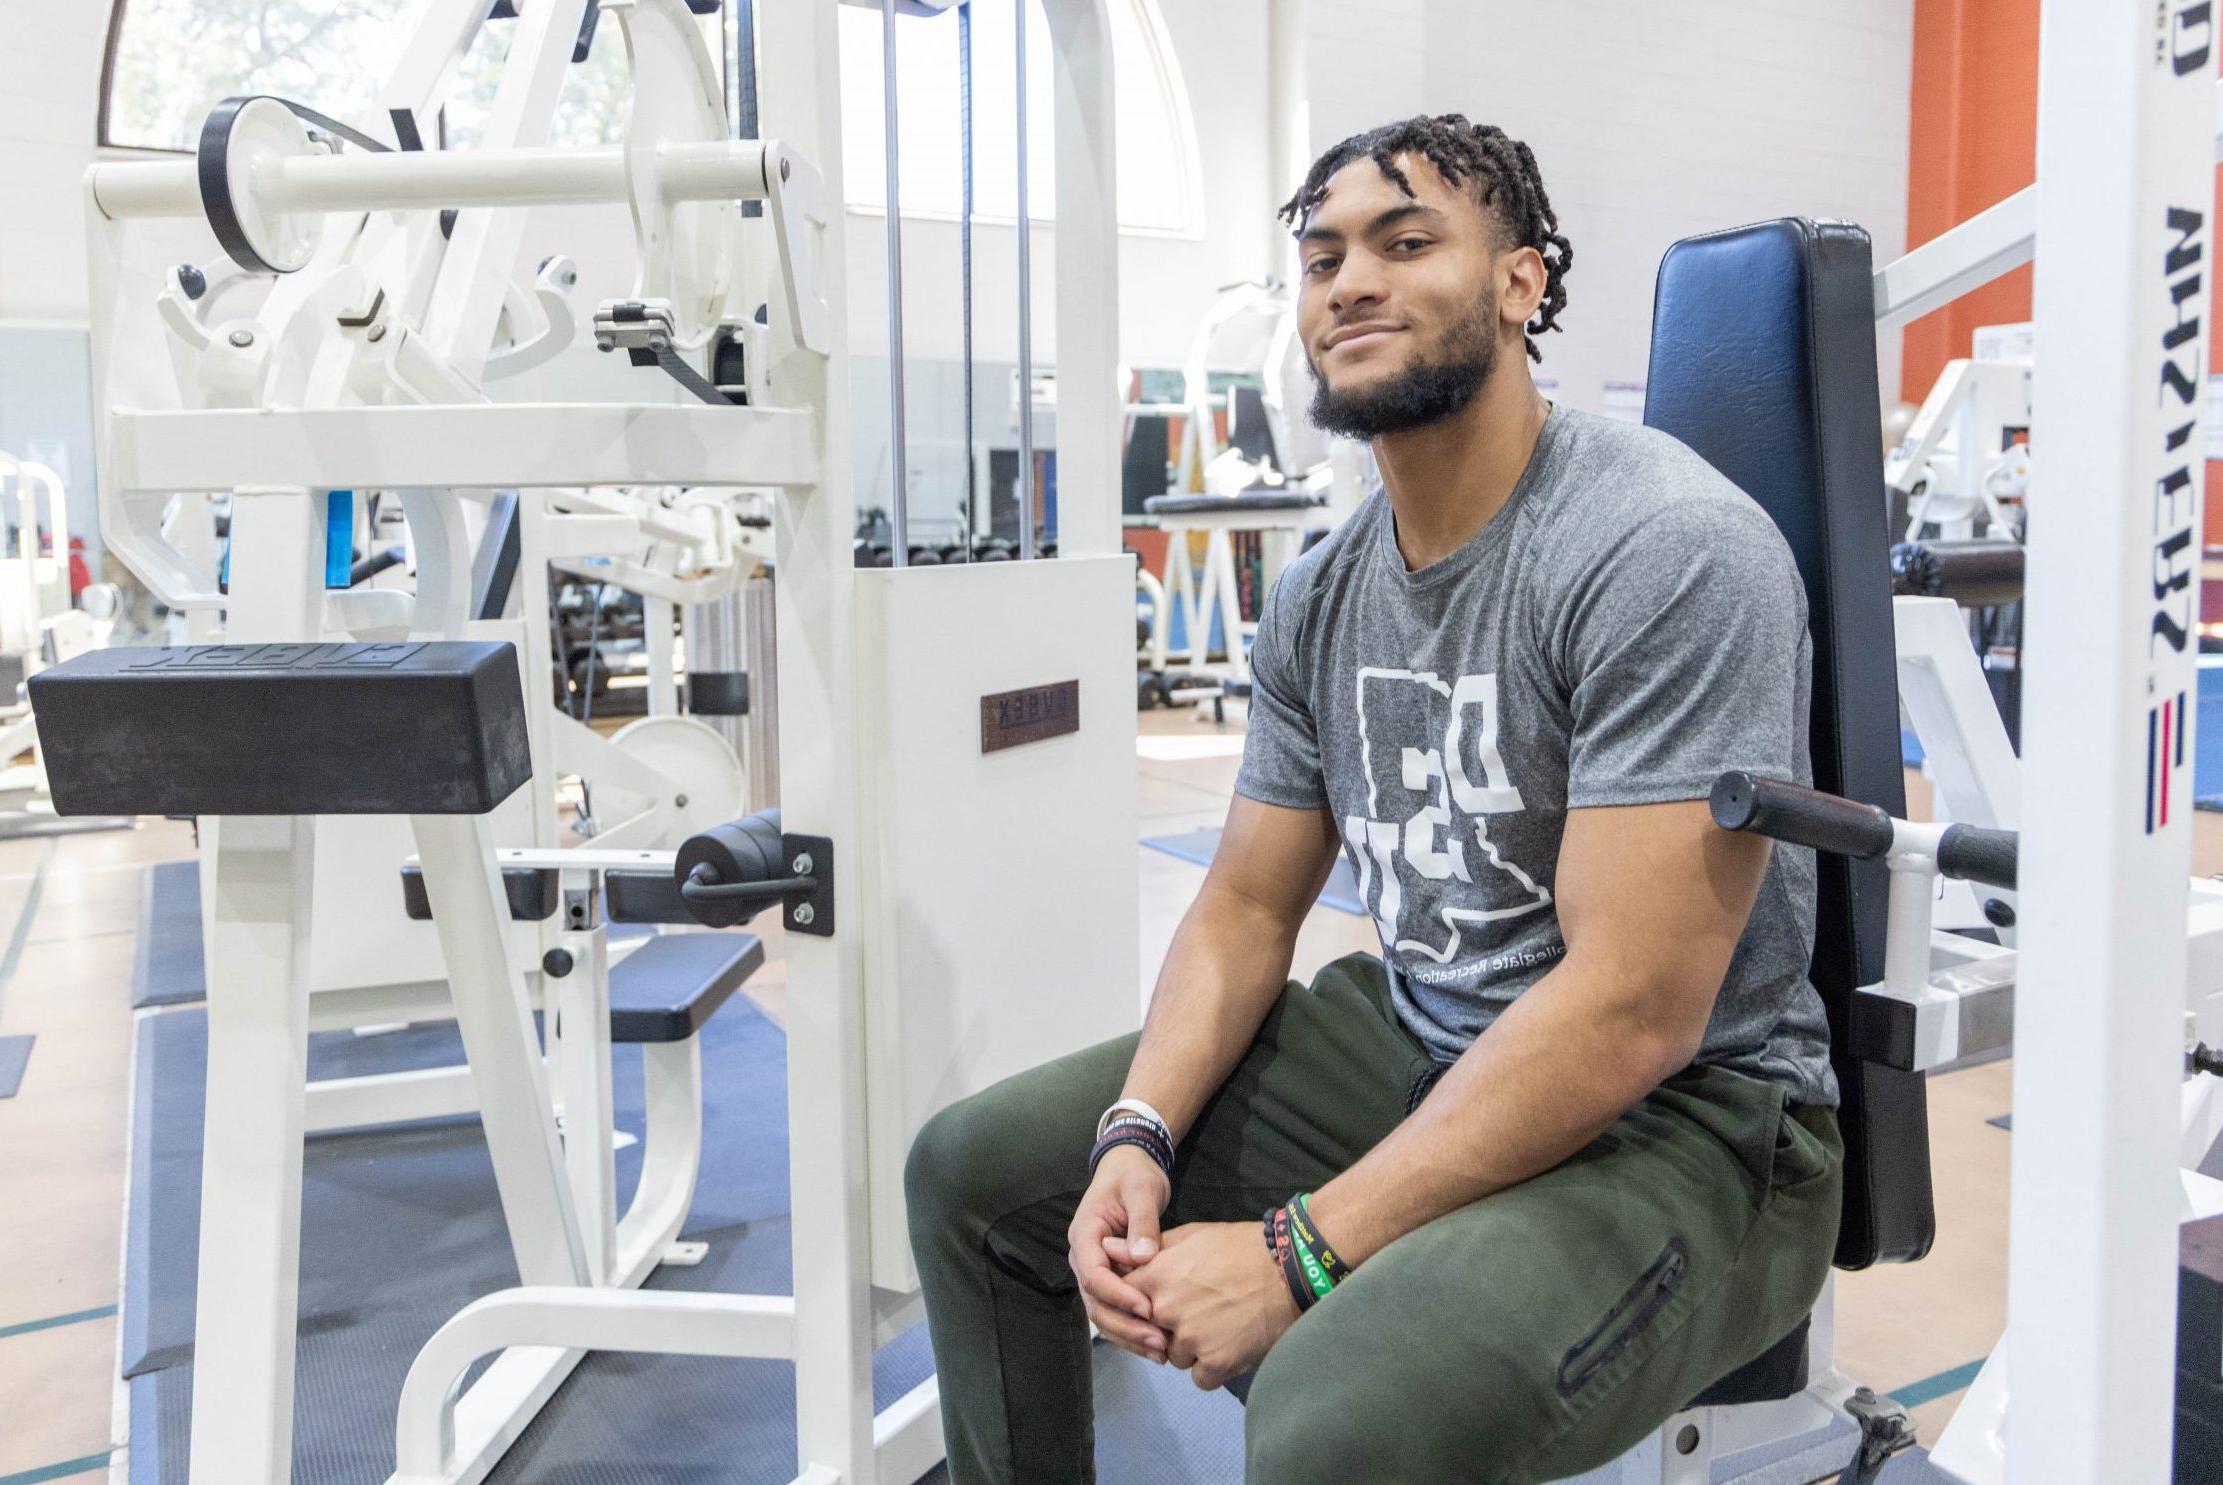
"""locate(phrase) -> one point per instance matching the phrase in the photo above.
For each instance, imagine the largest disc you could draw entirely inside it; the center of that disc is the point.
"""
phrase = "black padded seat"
(664, 990)
(1777, 1372)
(1223, 505)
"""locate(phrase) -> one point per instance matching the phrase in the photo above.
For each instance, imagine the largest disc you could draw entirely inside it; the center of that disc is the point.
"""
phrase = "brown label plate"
(1010, 718)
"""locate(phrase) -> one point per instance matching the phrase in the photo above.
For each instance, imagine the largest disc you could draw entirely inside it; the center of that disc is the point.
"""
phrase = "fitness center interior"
(584, 897)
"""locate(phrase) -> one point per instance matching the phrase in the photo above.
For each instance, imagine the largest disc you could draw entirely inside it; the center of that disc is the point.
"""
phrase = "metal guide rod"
(970, 525)
(1026, 301)
(899, 516)
(713, 170)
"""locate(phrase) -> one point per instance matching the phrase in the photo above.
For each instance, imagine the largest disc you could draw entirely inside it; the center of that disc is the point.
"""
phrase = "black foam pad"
(1764, 361)
(284, 729)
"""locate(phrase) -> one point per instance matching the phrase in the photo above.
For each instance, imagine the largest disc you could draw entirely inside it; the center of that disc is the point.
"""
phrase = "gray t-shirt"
(1627, 627)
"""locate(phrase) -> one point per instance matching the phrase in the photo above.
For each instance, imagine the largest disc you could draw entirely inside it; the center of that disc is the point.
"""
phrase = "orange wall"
(1972, 141)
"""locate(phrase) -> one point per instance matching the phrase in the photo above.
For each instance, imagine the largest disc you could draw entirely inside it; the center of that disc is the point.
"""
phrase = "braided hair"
(1499, 170)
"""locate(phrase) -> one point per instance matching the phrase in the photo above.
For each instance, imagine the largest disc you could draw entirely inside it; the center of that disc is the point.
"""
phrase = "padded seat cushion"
(664, 990)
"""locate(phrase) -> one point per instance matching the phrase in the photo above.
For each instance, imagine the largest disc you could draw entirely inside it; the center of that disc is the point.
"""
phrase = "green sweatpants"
(1532, 1335)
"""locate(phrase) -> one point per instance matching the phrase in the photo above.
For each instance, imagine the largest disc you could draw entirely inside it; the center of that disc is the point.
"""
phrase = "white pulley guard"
(699, 763)
(687, 250)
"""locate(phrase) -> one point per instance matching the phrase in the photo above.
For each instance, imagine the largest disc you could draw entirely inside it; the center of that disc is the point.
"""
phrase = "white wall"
(49, 100)
(1651, 122)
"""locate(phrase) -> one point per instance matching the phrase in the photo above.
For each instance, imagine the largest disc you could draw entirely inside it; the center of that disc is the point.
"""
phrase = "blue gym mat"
(1199, 846)
(15, 1056)
(166, 965)
(2207, 739)
(401, 1227)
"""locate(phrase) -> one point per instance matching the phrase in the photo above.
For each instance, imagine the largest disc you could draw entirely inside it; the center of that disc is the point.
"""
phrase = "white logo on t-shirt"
(1434, 776)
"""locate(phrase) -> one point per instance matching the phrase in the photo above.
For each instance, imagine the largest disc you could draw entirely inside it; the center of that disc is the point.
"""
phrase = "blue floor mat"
(2207, 740)
(15, 1056)
(1199, 846)
(401, 1227)
(166, 967)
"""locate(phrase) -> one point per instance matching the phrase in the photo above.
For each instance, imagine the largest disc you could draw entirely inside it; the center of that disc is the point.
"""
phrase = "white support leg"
(671, 1158)
(818, 788)
(259, 875)
(583, 1057)
(495, 1018)
(2125, 130)
(1182, 598)
(258, 1037)
(531, 1321)
(659, 623)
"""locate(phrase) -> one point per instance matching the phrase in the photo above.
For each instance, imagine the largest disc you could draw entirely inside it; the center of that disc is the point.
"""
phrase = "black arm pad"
(1971, 573)
(1800, 816)
(1976, 854)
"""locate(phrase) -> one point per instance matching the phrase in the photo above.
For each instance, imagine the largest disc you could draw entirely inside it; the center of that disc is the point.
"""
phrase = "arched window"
(1160, 178)
(171, 61)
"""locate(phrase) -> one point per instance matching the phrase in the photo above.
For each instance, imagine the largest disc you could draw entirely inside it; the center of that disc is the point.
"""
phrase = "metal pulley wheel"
(698, 764)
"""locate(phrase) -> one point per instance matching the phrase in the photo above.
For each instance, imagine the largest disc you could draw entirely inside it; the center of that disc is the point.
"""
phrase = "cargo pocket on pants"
(1631, 1315)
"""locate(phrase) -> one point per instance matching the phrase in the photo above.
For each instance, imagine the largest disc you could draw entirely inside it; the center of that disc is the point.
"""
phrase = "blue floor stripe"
(51, 1322)
(60, 1471)
(1913, 1395)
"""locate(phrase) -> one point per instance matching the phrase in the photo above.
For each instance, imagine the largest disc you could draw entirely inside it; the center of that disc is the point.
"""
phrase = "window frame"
(1174, 92)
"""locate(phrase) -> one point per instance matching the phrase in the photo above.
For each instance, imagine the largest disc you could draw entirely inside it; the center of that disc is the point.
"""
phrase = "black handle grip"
(1972, 573)
(1977, 854)
(1800, 816)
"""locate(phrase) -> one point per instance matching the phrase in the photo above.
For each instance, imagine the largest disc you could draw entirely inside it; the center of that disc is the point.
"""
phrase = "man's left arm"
(1651, 899)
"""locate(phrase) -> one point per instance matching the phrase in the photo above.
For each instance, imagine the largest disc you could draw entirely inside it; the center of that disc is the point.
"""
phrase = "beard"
(1431, 389)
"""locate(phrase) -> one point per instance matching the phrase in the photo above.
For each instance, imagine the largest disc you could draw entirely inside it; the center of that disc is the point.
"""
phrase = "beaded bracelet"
(1285, 1256)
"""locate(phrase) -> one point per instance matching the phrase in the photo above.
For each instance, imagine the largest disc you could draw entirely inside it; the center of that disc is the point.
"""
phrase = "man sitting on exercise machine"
(1495, 1205)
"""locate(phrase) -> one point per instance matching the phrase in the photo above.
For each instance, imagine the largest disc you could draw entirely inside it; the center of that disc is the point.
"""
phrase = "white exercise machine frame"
(433, 435)
(2128, 111)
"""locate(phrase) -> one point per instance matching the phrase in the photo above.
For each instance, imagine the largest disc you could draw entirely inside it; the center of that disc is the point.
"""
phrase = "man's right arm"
(1229, 959)
(1230, 956)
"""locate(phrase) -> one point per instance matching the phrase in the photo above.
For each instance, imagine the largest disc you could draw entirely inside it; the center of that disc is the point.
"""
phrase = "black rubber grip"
(1800, 816)
(1972, 573)
(1976, 854)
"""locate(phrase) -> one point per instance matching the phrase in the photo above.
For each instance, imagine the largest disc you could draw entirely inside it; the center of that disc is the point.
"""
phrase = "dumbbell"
(926, 557)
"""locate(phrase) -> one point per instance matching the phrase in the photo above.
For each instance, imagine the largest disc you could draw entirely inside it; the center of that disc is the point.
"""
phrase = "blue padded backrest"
(1764, 361)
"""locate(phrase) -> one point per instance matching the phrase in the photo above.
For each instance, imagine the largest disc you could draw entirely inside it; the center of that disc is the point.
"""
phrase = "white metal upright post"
(247, 1290)
(1023, 234)
(801, 101)
(2127, 166)
(1089, 396)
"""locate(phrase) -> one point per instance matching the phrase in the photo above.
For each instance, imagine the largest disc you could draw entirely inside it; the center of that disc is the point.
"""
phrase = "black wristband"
(1149, 1130)
(1302, 1229)
(1142, 1142)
